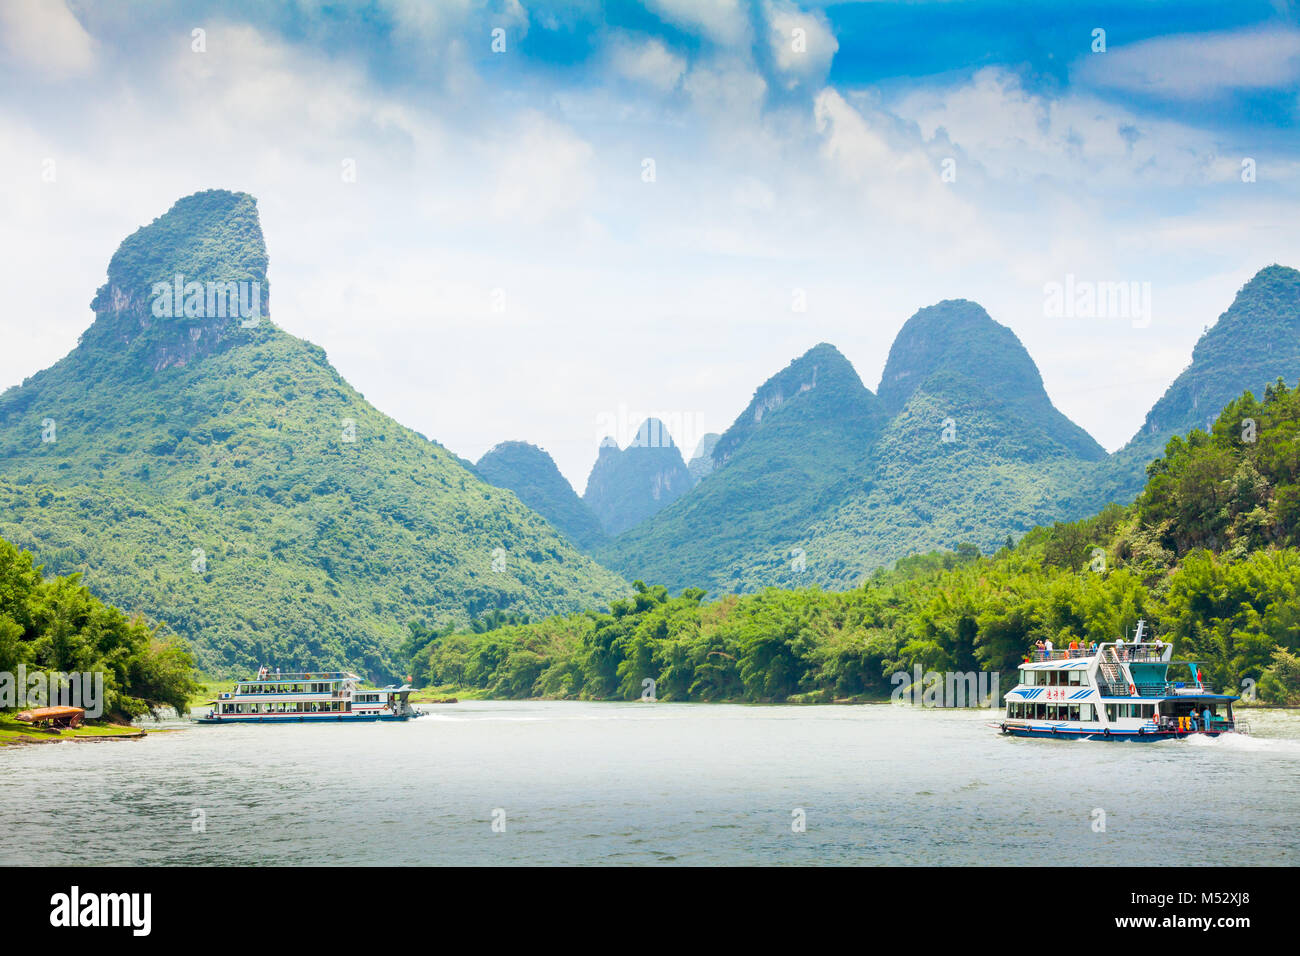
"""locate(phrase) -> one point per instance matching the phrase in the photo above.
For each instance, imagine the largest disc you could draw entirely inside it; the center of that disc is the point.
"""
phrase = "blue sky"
(501, 267)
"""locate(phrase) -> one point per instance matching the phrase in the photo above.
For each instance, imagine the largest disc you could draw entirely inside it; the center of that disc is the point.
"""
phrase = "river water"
(549, 782)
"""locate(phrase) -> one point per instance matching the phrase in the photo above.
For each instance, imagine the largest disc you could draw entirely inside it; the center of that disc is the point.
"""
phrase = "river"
(552, 782)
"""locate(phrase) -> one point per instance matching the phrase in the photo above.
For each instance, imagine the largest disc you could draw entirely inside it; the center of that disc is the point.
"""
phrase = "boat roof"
(1064, 663)
(1165, 697)
(298, 678)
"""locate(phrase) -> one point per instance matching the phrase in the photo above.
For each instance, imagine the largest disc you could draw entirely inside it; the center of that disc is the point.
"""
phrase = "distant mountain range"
(201, 466)
(628, 485)
(216, 473)
(820, 481)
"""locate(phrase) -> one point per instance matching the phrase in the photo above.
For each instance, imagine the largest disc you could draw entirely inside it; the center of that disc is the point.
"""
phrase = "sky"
(546, 221)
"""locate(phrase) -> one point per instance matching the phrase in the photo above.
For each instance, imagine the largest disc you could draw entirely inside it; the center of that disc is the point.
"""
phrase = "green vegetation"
(56, 625)
(821, 482)
(798, 447)
(1209, 555)
(13, 731)
(531, 474)
(228, 482)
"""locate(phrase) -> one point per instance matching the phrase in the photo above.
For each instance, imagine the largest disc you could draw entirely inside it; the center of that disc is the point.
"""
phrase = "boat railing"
(1065, 654)
(1123, 652)
(273, 677)
(1170, 688)
(1141, 652)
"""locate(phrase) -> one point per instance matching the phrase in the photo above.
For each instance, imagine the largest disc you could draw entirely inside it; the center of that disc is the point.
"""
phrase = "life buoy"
(1132, 691)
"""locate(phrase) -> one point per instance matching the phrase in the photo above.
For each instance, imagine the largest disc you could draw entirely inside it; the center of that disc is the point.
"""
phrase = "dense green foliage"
(56, 625)
(244, 494)
(531, 474)
(1207, 555)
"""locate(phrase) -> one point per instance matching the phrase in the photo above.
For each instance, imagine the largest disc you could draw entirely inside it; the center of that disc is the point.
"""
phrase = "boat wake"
(1245, 742)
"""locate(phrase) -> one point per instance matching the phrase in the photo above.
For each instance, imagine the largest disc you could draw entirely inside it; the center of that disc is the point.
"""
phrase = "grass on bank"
(14, 731)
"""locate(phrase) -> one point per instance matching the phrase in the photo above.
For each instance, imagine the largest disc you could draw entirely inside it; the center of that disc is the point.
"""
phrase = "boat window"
(1085, 712)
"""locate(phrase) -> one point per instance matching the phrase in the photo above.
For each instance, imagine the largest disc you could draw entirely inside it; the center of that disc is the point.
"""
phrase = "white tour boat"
(1115, 691)
(317, 696)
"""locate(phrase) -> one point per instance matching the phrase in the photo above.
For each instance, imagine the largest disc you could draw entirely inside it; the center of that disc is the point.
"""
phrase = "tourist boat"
(318, 696)
(1115, 691)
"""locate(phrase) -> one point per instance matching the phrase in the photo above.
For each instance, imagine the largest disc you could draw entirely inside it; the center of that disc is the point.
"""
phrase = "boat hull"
(1080, 733)
(302, 718)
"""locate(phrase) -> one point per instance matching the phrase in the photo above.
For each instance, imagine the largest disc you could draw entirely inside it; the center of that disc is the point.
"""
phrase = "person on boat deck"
(1207, 715)
(1074, 647)
(1191, 721)
(1038, 648)
(1047, 646)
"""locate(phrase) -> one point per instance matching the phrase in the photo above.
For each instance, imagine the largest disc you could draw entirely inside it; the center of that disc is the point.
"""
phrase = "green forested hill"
(1253, 343)
(974, 451)
(819, 481)
(1209, 555)
(962, 445)
(225, 479)
(795, 450)
(531, 474)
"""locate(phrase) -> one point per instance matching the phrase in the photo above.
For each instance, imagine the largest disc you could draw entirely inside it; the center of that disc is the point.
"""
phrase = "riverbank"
(14, 732)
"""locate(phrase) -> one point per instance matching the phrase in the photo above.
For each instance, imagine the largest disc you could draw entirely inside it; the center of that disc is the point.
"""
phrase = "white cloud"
(542, 171)
(669, 295)
(647, 61)
(725, 22)
(45, 37)
(727, 90)
(1017, 134)
(1193, 66)
(802, 43)
(898, 182)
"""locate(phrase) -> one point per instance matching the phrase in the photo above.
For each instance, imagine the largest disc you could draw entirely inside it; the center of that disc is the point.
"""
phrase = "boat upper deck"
(298, 678)
(1155, 652)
